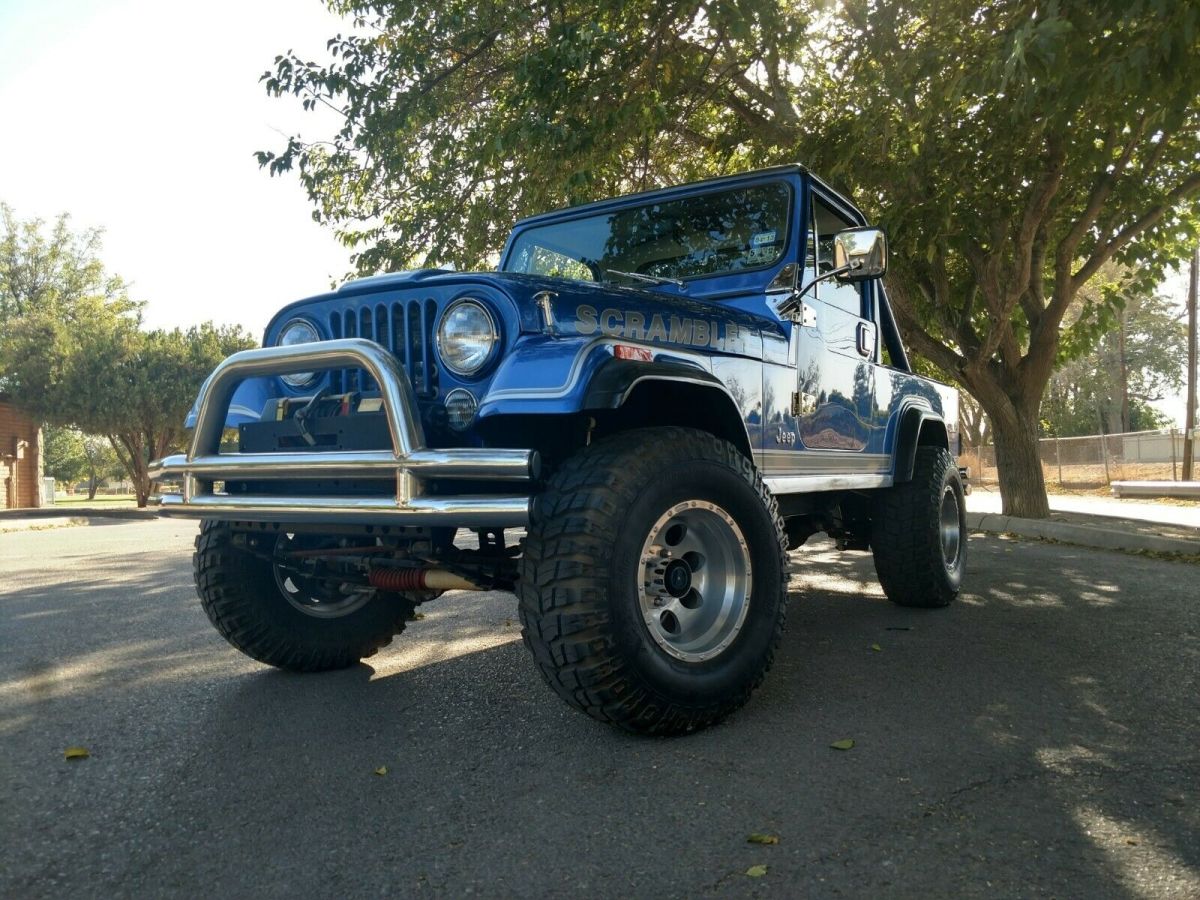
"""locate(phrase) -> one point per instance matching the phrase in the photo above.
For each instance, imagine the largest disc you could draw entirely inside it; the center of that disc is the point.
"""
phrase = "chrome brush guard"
(409, 461)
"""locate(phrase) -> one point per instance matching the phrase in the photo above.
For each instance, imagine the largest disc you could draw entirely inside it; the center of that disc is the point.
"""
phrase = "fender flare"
(616, 379)
(913, 421)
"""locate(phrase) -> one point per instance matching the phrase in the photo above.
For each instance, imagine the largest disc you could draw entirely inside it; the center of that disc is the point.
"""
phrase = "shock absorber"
(399, 580)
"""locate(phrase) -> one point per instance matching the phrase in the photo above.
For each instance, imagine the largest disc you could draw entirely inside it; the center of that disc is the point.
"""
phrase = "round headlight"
(297, 331)
(467, 337)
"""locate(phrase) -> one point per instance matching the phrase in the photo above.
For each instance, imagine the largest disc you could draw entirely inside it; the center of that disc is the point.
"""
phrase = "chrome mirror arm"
(792, 303)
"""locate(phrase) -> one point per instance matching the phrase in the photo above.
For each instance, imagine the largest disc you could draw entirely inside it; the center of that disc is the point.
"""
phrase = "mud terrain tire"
(243, 599)
(919, 533)
(591, 605)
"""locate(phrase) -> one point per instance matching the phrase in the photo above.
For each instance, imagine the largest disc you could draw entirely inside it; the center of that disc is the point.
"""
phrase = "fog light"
(460, 409)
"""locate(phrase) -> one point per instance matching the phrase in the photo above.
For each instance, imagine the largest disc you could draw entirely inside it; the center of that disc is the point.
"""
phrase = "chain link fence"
(1093, 461)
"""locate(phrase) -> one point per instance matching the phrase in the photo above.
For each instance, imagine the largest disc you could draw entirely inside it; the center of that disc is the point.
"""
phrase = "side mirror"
(862, 252)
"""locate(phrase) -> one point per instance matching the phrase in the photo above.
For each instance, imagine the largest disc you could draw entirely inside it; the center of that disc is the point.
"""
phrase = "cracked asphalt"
(1041, 738)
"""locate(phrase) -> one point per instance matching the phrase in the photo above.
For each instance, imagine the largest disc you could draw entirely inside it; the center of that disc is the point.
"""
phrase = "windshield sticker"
(763, 237)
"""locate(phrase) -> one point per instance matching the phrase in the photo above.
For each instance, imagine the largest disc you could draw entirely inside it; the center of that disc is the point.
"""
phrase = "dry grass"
(1086, 480)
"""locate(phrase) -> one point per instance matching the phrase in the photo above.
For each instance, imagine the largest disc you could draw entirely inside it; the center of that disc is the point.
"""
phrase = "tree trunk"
(141, 481)
(93, 483)
(1014, 424)
(130, 450)
(1019, 465)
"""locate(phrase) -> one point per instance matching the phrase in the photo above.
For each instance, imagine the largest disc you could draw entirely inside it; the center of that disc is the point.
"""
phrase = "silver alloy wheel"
(951, 528)
(314, 598)
(694, 580)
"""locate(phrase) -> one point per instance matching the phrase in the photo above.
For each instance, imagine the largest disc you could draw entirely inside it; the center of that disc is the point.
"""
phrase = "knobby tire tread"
(231, 593)
(905, 538)
(564, 571)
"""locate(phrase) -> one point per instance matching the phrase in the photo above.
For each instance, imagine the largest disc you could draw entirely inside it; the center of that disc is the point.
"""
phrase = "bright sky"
(142, 117)
(1175, 287)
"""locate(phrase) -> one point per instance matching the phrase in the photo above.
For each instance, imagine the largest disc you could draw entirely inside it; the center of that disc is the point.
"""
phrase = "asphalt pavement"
(1039, 738)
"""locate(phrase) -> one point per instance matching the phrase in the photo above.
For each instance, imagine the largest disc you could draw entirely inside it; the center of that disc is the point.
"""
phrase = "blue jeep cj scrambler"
(652, 400)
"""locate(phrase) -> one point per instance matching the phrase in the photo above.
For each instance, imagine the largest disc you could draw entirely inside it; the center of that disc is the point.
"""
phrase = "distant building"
(20, 457)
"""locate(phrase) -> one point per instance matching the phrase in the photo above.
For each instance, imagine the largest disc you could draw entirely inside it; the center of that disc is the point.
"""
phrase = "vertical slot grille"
(404, 327)
(366, 329)
(337, 377)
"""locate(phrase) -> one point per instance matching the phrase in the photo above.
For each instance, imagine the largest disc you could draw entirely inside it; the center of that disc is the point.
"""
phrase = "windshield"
(712, 234)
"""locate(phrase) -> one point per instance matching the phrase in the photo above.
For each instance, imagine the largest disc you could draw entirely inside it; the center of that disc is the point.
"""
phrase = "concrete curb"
(15, 526)
(1083, 535)
(81, 512)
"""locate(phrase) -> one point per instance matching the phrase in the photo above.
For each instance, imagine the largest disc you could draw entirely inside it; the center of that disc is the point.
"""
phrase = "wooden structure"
(20, 458)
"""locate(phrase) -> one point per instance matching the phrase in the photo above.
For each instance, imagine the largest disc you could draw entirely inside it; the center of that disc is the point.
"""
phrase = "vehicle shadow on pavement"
(1038, 738)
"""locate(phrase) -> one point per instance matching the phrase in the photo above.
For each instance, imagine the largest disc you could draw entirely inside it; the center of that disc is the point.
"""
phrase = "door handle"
(866, 339)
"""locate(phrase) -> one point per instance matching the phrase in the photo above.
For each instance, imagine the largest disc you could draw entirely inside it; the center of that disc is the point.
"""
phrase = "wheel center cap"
(677, 578)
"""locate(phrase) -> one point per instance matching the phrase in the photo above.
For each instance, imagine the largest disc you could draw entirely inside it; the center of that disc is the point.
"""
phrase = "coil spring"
(397, 580)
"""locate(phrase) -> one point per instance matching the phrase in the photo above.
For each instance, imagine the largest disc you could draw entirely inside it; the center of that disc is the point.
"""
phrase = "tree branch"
(1148, 219)
(1101, 189)
(782, 106)
(920, 339)
(1034, 217)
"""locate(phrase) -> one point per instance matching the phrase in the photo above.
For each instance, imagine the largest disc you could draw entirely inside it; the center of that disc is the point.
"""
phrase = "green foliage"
(65, 457)
(464, 115)
(74, 354)
(1140, 357)
(1010, 148)
(72, 456)
(134, 386)
(57, 272)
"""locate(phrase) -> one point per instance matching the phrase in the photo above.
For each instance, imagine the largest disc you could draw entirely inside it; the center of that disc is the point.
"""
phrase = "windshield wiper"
(652, 279)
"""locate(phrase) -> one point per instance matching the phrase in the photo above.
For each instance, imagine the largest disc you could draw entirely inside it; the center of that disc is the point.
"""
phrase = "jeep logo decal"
(671, 330)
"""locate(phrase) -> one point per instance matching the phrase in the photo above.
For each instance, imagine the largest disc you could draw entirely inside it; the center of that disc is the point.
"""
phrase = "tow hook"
(304, 412)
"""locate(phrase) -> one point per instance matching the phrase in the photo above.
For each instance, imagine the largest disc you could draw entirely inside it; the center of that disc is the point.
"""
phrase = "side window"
(539, 260)
(847, 297)
(810, 248)
(874, 299)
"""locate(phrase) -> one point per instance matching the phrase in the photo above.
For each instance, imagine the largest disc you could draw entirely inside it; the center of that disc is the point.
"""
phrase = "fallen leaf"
(508, 623)
(76, 753)
(844, 744)
(876, 648)
(416, 617)
(1131, 842)
(763, 839)
(756, 871)
(382, 770)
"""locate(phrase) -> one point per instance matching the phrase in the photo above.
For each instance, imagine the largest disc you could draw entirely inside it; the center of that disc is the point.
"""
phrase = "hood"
(577, 308)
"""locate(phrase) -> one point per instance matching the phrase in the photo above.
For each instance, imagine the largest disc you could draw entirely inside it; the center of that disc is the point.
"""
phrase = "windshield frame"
(648, 198)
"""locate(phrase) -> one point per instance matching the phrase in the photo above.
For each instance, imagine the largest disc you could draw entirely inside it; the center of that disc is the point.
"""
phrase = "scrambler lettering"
(684, 330)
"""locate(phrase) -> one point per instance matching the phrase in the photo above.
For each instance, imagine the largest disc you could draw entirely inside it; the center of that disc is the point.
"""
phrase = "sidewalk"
(1101, 522)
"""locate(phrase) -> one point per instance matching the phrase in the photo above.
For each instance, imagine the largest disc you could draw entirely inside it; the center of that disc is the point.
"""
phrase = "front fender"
(553, 375)
(546, 376)
(615, 380)
(247, 404)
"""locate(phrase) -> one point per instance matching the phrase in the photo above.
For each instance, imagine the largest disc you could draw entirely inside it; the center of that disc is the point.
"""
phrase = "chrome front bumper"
(409, 461)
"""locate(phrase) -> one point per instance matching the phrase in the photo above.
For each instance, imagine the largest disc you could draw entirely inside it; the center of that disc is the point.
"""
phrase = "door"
(835, 387)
